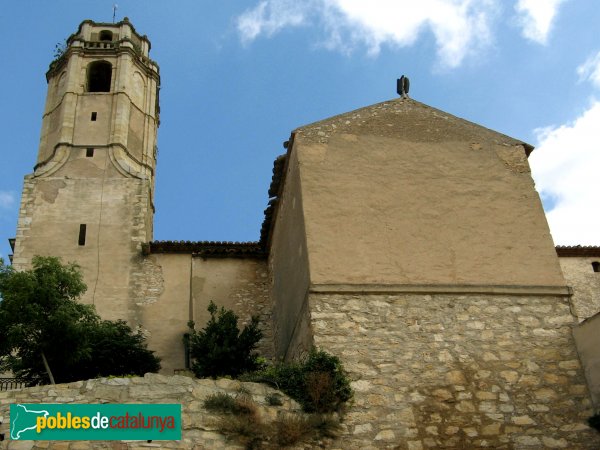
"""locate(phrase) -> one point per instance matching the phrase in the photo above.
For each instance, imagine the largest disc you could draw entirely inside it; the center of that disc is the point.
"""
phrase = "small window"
(99, 76)
(89, 153)
(596, 266)
(82, 230)
(94, 115)
(106, 35)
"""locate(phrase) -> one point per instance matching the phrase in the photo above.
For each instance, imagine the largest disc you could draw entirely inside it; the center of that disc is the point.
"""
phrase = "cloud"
(459, 27)
(564, 167)
(535, 18)
(7, 199)
(271, 16)
(590, 70)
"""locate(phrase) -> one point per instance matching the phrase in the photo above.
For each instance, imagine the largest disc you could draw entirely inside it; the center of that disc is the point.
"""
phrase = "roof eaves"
(577, 251)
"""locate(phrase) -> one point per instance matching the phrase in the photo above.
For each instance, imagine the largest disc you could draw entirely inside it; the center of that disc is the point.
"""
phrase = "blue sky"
(238, 77)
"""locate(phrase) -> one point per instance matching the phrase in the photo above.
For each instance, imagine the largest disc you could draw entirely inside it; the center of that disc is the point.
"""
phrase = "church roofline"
(206, 249)
(260, 249)
(349, 119)
(111, 24)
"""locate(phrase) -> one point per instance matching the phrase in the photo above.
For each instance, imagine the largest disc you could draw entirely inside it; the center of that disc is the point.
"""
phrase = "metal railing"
(7, 384)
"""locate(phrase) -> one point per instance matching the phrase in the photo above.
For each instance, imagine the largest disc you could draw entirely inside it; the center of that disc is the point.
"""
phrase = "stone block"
(554, 443)
(522, 420)
(385, 435)
(528, 441)
(491, 430)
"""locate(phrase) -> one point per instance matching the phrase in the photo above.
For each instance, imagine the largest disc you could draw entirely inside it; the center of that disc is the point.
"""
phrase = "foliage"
(318, 383)
(219, 349)
(220, 402)
(117, 350)
(290, 428)
(59, 49)
(594, 422)
(46, 335)
(273, 399)
(239, 417)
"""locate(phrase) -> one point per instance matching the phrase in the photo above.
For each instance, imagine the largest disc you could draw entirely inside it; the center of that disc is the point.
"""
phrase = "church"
(409, 242)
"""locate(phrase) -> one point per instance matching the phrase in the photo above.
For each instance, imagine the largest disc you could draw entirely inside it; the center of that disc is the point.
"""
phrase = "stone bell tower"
(90, 197)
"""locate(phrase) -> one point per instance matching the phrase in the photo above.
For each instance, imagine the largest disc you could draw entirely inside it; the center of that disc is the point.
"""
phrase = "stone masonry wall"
(452, 371)
(199, 430)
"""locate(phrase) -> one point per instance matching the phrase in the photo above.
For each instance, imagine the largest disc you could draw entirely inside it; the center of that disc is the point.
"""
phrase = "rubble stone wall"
(457, 371)
(199, 427)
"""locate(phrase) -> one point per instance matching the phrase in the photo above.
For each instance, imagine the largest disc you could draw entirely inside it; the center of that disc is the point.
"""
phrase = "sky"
(238, 76)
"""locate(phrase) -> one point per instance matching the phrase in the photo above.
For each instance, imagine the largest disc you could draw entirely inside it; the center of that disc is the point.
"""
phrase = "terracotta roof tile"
(577, 250)
(208, 249)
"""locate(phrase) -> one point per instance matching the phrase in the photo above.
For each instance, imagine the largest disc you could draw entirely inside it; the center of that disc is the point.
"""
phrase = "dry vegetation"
(239, 418)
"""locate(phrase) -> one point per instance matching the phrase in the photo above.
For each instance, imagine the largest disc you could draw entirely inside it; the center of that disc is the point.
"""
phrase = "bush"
(118, 351)
(319, 383)
(239, 417)
(290, 428)
(219, 349)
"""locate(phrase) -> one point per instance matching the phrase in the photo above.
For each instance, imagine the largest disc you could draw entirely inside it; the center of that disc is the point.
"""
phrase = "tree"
(117, 350)
(46, 335)
(219, 349)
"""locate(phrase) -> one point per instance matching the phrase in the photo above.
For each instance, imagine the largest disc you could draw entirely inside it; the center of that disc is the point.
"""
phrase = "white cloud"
(460, 27)
(590, 70)
(565, 168)
(271, 16)
(536, 16)
(7, 199)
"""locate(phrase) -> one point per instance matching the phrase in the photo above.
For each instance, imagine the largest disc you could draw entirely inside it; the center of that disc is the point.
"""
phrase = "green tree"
(219, 349)
(46, 335)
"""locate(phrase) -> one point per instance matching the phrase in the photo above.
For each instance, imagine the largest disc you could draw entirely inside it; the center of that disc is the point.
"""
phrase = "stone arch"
(106, 35)
(99, 75)
(138, 90)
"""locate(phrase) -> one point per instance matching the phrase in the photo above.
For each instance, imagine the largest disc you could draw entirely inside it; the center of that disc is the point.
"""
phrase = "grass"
(239, 417)
(220, 403)
(274, 399)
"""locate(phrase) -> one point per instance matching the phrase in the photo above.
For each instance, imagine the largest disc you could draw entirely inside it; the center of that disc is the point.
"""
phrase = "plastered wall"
(587, 338)
(288, 264)
(173, 289)
(113, 210)
(400, 193)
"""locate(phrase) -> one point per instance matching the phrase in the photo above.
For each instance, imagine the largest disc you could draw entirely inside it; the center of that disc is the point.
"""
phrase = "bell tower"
(90, 197)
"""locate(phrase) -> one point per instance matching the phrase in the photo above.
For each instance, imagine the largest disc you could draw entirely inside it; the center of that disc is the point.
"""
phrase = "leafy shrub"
(219, 349)
(118, 350)
(319, 383)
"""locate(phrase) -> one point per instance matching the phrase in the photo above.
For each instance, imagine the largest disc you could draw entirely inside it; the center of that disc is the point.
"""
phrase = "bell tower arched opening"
(106, 35)
(99, 76)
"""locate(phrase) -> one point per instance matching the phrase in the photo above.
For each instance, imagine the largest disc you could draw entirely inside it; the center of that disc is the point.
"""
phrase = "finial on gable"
(402, 86)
